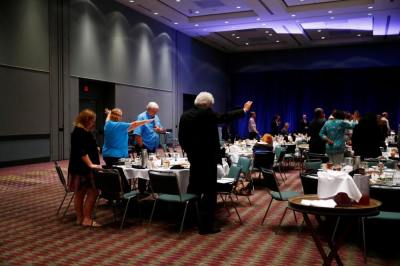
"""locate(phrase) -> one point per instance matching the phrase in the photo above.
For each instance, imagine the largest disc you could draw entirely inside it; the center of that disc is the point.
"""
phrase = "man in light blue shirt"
(147, 136)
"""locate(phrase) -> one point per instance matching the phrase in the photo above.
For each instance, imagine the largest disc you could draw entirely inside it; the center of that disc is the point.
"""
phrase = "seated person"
(265, 144)
(285, 129)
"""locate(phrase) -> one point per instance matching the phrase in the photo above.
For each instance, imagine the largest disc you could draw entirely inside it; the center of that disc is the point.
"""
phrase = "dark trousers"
(203, 183)
(253, 135)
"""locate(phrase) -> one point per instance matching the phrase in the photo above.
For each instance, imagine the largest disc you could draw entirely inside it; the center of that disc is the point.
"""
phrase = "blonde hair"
(84, 118)
(116, 114)
(267, 138)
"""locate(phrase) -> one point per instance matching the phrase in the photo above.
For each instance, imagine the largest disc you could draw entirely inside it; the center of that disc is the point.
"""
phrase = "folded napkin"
(330, 203)
(331, 183)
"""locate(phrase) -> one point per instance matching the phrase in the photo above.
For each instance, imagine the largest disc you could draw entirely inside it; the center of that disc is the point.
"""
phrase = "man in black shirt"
(198, 137)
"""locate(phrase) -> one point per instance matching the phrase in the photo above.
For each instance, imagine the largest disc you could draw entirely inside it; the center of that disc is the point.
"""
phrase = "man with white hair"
(198, 137)
(147, 136)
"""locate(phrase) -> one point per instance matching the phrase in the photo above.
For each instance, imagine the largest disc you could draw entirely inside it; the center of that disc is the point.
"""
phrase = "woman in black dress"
(83, 158)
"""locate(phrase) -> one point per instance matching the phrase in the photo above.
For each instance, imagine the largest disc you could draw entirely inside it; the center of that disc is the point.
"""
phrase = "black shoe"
(208, 231)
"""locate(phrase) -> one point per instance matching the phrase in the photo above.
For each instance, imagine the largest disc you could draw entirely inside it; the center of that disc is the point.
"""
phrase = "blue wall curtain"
(292, 93)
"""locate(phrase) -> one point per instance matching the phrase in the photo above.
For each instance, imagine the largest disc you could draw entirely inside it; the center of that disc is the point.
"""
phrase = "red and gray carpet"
(30, 232)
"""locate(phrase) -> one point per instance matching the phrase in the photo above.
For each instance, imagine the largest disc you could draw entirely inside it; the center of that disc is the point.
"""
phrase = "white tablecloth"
(182, 174)
(331, 183)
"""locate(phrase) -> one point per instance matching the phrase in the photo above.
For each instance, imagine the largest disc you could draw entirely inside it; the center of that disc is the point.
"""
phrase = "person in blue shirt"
(333, 133)
(147, 136)
(116, 136)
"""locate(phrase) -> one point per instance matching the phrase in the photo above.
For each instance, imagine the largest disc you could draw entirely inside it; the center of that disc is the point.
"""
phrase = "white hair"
(204, 99)
(153, 105)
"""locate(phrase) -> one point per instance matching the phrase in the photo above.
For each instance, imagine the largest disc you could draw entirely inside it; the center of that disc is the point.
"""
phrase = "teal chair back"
(391, 164)
(234, 172)
(312, 164)
(277, 151)
(244, 163)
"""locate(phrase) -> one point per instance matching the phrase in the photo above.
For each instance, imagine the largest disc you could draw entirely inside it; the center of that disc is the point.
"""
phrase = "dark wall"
(46, 46)
(24, 79)
(290, 83)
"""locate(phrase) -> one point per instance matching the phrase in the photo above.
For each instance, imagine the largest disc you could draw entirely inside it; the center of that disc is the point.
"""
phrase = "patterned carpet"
(32, 234)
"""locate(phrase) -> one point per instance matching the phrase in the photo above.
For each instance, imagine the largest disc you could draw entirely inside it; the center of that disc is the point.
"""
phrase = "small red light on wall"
(86, 88)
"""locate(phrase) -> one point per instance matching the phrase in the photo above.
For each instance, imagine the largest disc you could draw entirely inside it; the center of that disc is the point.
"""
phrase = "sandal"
(92, 224)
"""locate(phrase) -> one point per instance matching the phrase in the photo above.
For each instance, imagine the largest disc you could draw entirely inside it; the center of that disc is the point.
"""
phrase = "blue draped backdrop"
(294, 92)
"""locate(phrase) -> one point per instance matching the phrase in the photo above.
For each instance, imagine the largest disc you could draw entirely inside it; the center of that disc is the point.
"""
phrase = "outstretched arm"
(226, 117)
(139, 123)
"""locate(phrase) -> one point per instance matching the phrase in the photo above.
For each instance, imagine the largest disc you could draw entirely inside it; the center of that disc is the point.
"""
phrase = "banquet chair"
(226, 186)
(280, 152)
(263, 159)
(310, 156)
(312, 165)
(111, 187)
(275, 193)
(66, 189)
(166, 186)
(245, 163)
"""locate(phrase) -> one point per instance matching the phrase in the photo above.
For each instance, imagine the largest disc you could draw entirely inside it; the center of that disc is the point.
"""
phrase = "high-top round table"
(356, 211)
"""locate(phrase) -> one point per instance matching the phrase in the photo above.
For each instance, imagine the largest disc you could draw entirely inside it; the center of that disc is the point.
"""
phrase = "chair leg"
(295, 218)
(183, 218)
(152, 212)
(335, 229)
(226, 207)
(62, 202)
(248, 198)
(96, 204)
(265, 215)
(115, 211)
(283, 216)
(363, 239)
(237, 213)
(123, 217)
(69, 203)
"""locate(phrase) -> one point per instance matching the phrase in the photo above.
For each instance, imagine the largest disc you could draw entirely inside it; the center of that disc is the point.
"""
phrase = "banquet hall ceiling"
(247, 25)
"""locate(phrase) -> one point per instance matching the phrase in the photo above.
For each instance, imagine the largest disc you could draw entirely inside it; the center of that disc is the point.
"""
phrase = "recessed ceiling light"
(370, 7)
(277, 41)
(323, 37)
(369, 14)
(197, 12)
(226, 22)
(319, 30)
(293, 15)
(238, 7)
(359, 35)
(196, 25)
(270, 34)
(332, 17)
(330, 11)
(131, 1)
(155, 13)
(247, 43)
(178, 0)
(176, 23)
(301, 0)
(237, 37)
(258, 19)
